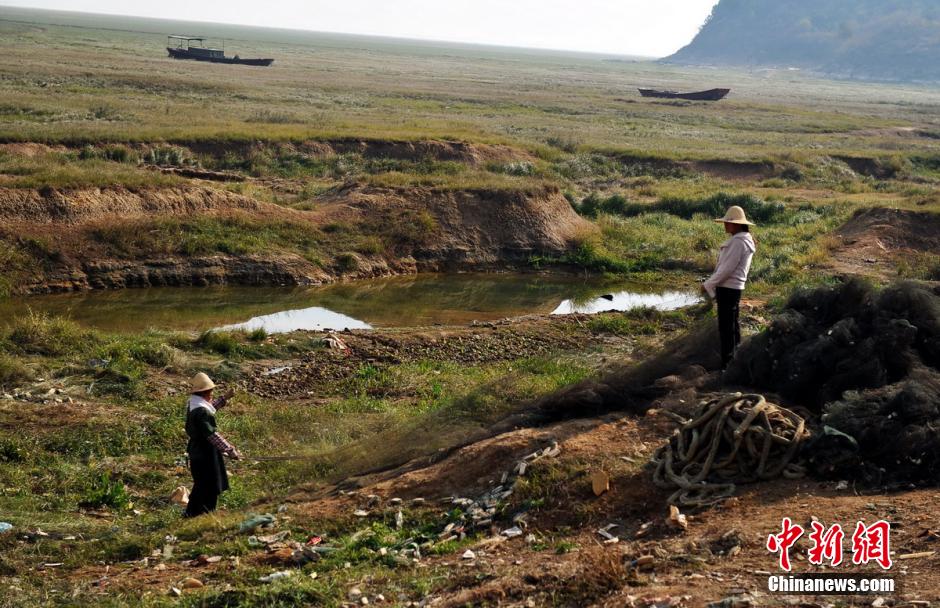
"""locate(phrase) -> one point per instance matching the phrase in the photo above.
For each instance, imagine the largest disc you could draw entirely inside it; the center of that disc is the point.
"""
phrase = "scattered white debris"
(512, 532)
(276, 576)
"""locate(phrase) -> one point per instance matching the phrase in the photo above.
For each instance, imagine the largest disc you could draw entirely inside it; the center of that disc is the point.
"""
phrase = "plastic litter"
(256, 521)
(274, 576)
(180, 496)
(512, 532)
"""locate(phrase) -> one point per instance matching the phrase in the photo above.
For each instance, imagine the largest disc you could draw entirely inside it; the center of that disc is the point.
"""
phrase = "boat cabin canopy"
(196, 49)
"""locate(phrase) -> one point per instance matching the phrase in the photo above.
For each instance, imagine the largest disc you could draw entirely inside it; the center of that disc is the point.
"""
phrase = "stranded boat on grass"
(182, 47)
(709, 95)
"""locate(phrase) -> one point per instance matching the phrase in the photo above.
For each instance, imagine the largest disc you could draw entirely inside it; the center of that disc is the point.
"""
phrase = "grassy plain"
(91, 102)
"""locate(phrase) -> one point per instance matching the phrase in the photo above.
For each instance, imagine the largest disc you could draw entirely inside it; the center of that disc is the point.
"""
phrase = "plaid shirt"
(221, 443)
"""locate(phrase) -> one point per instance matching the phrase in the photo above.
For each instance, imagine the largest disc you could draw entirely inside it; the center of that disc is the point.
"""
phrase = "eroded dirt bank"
(118, 237)
(876, 240)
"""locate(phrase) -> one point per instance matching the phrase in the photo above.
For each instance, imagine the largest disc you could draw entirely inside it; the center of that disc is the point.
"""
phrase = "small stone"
(677, 519)
(355, 594)
(160, 567)
(878, 602)
(380, 598)
(192, 583)
(175, 591)
(361, 513)
(468, 554)
(383, 551)
(600, 482)
(364, 601)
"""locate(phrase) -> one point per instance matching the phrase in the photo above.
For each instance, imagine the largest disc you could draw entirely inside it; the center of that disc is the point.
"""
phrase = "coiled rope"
(733, 439)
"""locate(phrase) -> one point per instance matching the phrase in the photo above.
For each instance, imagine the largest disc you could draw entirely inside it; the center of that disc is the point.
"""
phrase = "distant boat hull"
(187, 54)
(709, 95)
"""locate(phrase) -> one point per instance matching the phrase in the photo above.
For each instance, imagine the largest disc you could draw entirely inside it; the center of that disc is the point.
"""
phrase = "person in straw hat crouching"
(730, 276)
(206, 447)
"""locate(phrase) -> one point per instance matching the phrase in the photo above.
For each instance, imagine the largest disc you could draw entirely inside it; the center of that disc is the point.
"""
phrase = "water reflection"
(314, 318)
(628, 300)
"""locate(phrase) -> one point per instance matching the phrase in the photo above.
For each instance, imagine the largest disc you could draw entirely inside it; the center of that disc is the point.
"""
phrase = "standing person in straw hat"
(730, 276)
(206, 447)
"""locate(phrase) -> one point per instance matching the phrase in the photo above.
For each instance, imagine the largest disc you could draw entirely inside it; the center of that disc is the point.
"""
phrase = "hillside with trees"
(865, 39)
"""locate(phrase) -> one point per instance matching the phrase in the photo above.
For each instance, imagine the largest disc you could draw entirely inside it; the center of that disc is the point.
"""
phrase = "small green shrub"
(106, 492)
(258, 335)
(11, 451)
(120, 154)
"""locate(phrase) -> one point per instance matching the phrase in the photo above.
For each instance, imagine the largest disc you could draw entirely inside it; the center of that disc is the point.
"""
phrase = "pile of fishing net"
(868, 362)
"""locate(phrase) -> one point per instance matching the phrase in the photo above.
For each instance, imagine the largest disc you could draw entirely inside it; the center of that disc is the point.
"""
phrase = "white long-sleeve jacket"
(734, 262)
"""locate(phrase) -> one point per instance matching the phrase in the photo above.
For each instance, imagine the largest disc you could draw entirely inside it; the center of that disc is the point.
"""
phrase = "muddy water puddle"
(411, 301)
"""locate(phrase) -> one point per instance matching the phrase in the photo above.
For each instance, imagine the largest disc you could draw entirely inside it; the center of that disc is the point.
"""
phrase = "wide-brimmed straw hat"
(201, 382)
(735, 215)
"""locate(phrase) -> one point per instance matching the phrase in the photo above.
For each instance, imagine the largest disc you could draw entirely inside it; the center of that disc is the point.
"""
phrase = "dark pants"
(729, 328)
(205, 493)
(201, 500)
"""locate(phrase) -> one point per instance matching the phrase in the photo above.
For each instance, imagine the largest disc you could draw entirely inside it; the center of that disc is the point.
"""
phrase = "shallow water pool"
(409, 301)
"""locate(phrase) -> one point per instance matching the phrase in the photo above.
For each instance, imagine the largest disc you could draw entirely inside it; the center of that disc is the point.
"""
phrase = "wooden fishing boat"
(709, 95)
(193, 47)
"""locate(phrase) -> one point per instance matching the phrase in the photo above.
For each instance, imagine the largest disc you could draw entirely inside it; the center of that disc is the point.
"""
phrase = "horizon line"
(426, 41)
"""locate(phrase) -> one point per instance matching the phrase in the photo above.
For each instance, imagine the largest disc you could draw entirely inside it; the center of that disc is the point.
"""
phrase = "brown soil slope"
(566, 562)
(30, 207)
(475, 228)
(875, 240)
(410, 230)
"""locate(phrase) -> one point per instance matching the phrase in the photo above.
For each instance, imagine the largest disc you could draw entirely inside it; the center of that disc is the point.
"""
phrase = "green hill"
(866, 39)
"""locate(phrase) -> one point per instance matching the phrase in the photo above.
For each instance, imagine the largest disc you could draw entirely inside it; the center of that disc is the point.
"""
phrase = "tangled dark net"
(868, 361)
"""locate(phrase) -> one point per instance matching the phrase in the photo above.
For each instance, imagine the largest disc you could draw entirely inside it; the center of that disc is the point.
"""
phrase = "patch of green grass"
(197, 236)
(13, 371)
(40, 334)
(757, 210)
(921, 266)
(638, 322)
(220, 342)
(68, 170)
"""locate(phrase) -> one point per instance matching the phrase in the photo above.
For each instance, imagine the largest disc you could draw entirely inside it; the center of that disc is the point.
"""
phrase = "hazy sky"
(632, 27)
